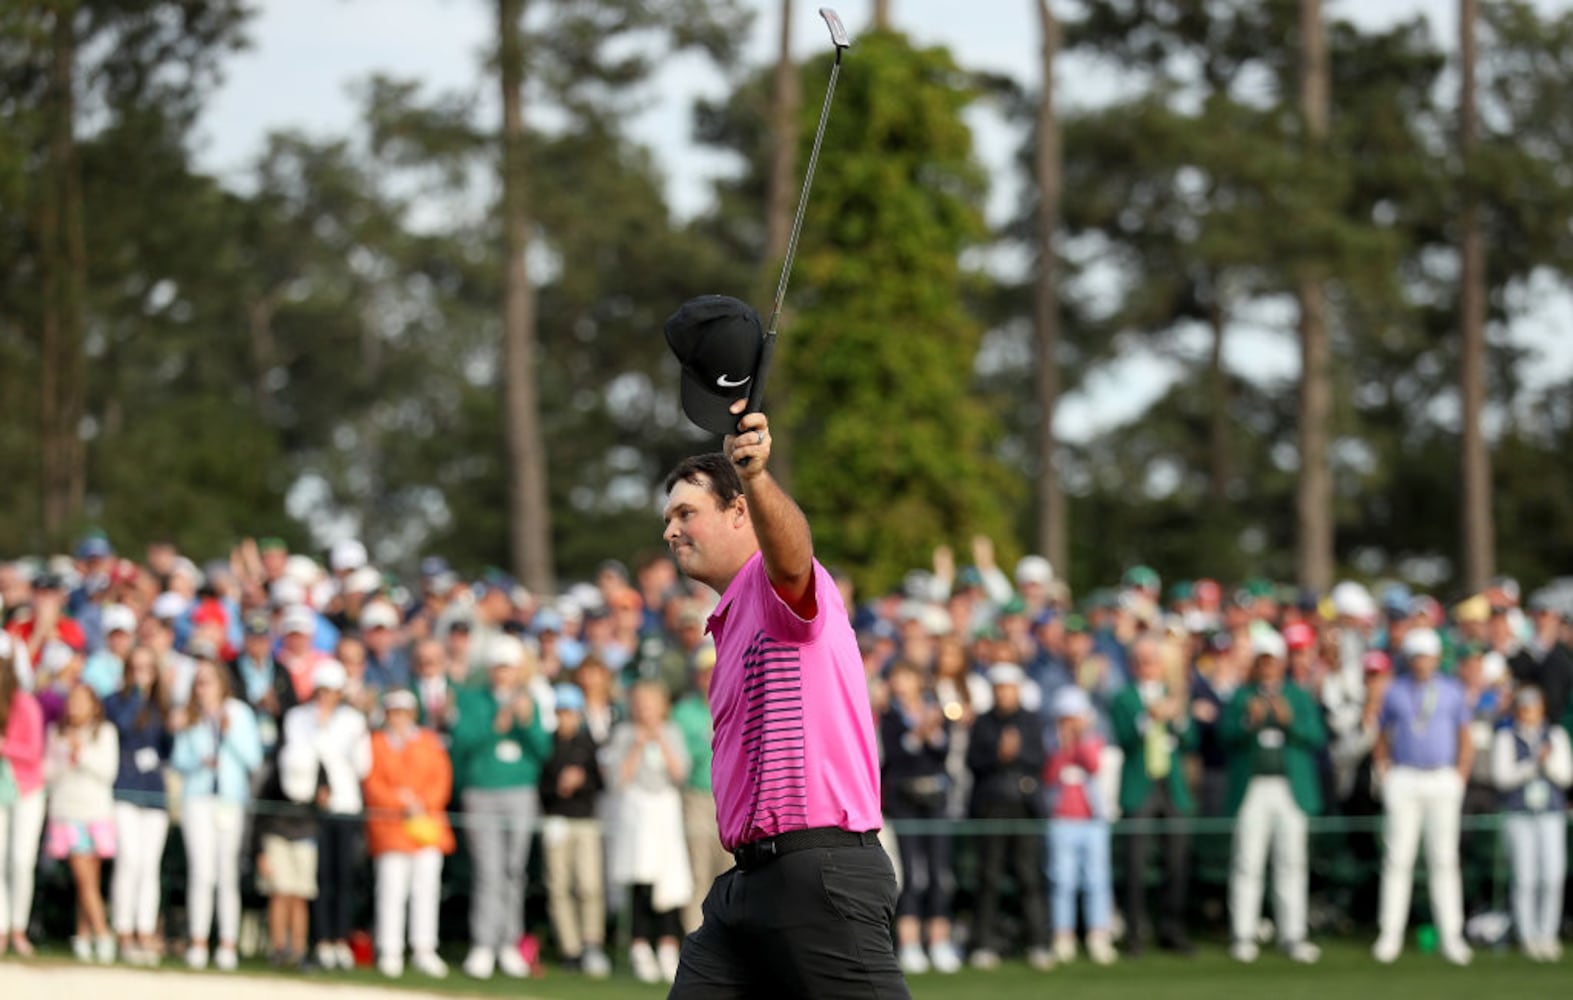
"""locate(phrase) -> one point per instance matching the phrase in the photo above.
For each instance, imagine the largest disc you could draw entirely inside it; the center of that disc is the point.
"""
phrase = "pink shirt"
(1069, 774)
(24, 742)
(794, 738)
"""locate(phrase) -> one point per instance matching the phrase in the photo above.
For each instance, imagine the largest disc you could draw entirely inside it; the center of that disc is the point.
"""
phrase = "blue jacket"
(214, 766)
(144, 750)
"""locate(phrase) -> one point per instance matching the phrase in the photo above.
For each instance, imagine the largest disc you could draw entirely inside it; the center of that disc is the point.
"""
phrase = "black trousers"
(645, 922)
(815, 923)
(1025, 853)
(1176, 870)
(338, 850)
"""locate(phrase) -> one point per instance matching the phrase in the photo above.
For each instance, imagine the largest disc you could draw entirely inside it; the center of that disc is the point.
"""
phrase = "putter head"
(838, 31)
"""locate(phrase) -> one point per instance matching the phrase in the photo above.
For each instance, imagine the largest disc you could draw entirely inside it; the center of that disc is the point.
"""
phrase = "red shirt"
(67, 629)
(1067, 773)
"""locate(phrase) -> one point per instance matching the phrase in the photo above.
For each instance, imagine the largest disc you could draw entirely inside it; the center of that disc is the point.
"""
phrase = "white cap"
(1034, 569)
(505, 651)
(302, 570)
(1422, 642)
(399, 698)
(1267, 642)
(347, 555)
(186, 568)
(1006, 673)
(298, 618)
(1493, 667)
(118, 618)
(1070, 701)
(378, 614)
(286, 591)
(1352, 600)
(169, 605)
(328, 675)
(936, 620)
(365, 580)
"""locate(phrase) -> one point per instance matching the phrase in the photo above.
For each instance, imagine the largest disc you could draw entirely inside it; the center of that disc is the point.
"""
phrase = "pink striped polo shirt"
(794, 738)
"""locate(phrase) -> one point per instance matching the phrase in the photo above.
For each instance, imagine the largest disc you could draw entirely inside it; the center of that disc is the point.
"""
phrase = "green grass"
(1346, 972)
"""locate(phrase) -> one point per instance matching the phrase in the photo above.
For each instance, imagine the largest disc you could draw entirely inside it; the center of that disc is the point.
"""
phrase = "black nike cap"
(717, 339)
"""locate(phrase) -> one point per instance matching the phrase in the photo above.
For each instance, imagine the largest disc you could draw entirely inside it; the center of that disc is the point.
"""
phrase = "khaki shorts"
(292, 867)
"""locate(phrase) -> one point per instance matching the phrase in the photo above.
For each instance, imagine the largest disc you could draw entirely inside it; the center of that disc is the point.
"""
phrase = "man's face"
(701, 534)
(1269, 671)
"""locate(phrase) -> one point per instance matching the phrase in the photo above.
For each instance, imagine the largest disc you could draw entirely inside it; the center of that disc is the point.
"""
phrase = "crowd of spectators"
(301, 726)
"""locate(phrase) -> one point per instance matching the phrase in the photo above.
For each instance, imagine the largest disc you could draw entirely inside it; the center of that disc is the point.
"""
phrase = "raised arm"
(782, 530)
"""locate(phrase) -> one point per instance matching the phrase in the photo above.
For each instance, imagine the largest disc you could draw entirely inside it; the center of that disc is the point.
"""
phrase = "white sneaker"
(944, 957)
(1100, 949)
(913, 961)
(1245, 952)
(82, 948)
(478, 964)
(391, 966)
(343, 955)
(1457, 953)
(1387, 950)
(104, 949)
(512, 964)
(1303, 952)
(428, 964)
(985, 960)
(225, 959)
(327, 956)
(1065, 947)
(642, 958)
(595, 963)
(1040, 959)
(1550, 949)
(666, 957)
(197, 957)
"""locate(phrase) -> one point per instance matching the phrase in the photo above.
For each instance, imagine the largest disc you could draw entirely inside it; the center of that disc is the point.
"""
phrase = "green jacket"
(485, 758)
(1126, 713)
(1303, 737)
(692, 716)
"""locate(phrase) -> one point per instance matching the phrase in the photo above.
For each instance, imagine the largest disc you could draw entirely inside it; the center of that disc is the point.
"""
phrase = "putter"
(838, 37)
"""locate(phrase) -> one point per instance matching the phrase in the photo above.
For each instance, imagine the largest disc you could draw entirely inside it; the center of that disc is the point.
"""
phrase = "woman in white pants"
(1532, 765)
(139, 712)
(21, 801)
(407, 832)
(216, 750)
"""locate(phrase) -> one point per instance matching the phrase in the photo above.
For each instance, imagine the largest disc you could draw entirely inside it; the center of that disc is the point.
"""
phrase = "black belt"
(761, 852)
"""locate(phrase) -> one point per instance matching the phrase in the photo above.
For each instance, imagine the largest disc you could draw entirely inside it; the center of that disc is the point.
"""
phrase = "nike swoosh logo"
(726, 383)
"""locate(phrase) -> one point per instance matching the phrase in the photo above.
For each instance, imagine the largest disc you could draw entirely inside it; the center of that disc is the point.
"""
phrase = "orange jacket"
(421, 765)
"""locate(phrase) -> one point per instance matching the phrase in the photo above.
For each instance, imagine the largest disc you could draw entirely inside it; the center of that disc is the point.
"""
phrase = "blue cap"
(546, 620)
(434, 566)
(569, 697)
(94, 547)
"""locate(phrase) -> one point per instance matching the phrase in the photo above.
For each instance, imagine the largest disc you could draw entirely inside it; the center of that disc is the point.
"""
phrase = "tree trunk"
(1053, 540)
(63, 369)
(1314, 493)
(1220, 444)
(882, 15)
(1478, 528)
(529, 515)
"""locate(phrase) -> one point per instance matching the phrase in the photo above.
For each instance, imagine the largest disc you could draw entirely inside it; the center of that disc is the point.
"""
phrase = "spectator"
(1153, 728)
(1545, 660)
(435, 691)
(286, 831)
(297, 653)
(1079, 830)
(387, 659)
(407, 831)
(1423, 757)
(140, 714)
(45, 620)
(648, 765)
(336, 734)
(80, 763)
(1006, 759)
(707, 859)
(262, 682)
(601, 710)
(571, 786)
(915, 740)
(1533, 766)
(216, 751)
(500, 742)
(21, 800)
(104, 670)
(1272, 732)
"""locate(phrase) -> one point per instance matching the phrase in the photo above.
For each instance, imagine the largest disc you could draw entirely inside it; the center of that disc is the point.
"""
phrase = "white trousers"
(21, 832)
(1430, 801)
(412, 883)
(1269, 818)
(1537, 847)
(140, 832)
(212, 828)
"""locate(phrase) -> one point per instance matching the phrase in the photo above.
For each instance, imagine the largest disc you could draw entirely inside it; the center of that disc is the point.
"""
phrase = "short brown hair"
(712, 470)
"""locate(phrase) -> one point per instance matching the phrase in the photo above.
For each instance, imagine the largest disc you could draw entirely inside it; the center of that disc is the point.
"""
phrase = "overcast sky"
(305, 54)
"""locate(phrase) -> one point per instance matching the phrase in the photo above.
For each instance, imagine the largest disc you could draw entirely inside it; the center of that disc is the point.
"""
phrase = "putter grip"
(756, 389)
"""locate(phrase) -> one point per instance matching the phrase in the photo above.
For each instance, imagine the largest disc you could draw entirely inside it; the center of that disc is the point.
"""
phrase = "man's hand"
(751, 444)
(983, 552)
(1256, 711)
(569, 780)
(1010, 744)
(1281, 709)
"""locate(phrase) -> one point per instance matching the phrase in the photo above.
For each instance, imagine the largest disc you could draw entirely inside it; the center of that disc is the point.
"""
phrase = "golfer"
(807, 910)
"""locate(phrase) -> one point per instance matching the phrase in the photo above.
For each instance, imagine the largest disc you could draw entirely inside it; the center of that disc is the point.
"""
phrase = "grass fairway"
(1346, 972)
